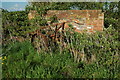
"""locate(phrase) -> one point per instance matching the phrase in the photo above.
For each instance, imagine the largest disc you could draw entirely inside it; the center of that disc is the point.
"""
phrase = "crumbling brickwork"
(90, 20)
(85, 19)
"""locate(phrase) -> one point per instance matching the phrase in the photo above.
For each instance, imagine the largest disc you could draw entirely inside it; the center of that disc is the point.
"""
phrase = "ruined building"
(90, 20)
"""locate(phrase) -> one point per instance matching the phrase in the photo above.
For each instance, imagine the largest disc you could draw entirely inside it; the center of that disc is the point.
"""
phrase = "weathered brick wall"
(90, 20)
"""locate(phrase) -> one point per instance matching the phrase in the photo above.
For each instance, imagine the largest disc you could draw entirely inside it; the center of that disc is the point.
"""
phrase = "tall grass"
(83, 56)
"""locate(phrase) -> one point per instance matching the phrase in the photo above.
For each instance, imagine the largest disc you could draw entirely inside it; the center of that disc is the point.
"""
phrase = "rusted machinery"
(48, 36)
(51, 36)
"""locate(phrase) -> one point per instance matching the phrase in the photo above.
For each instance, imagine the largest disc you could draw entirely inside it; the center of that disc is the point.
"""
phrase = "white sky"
(14, 0)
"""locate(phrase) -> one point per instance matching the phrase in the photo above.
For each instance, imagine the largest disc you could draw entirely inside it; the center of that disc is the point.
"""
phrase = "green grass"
(23, 61)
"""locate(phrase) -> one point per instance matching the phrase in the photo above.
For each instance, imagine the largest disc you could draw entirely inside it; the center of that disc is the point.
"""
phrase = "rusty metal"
(53, 36)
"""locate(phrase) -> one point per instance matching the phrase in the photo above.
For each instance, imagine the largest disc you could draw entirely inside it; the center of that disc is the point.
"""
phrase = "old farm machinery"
(47, 37)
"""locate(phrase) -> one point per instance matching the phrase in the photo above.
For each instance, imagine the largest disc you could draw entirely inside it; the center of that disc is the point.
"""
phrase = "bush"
(22, 61)
(30, 64)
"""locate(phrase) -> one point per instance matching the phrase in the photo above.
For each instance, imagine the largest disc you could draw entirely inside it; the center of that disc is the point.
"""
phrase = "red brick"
(93, 17)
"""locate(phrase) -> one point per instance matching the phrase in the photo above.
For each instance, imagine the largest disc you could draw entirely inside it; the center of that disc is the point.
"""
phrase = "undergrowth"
(22, 60)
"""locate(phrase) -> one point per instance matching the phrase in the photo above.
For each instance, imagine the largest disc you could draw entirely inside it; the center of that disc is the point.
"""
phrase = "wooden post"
(62, 38)
(55, 33)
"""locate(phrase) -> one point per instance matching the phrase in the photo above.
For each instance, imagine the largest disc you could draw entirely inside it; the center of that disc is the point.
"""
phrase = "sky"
(14, 6)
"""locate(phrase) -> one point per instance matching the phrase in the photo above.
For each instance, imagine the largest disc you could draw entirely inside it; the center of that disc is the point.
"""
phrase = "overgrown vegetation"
(30, 64)
(84, 56)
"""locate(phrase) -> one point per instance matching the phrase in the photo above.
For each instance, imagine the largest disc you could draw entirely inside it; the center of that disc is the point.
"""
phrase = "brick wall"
(90, 20)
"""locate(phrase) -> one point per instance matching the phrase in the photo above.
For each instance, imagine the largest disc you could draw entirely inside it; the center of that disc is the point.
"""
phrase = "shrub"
(24, 62)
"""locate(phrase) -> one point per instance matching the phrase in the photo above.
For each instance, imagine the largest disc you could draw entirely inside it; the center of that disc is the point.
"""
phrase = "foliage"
(109, 8)
(53, 19)
(38, 21)
(100, 49)
(30, 64)
(15, 23)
